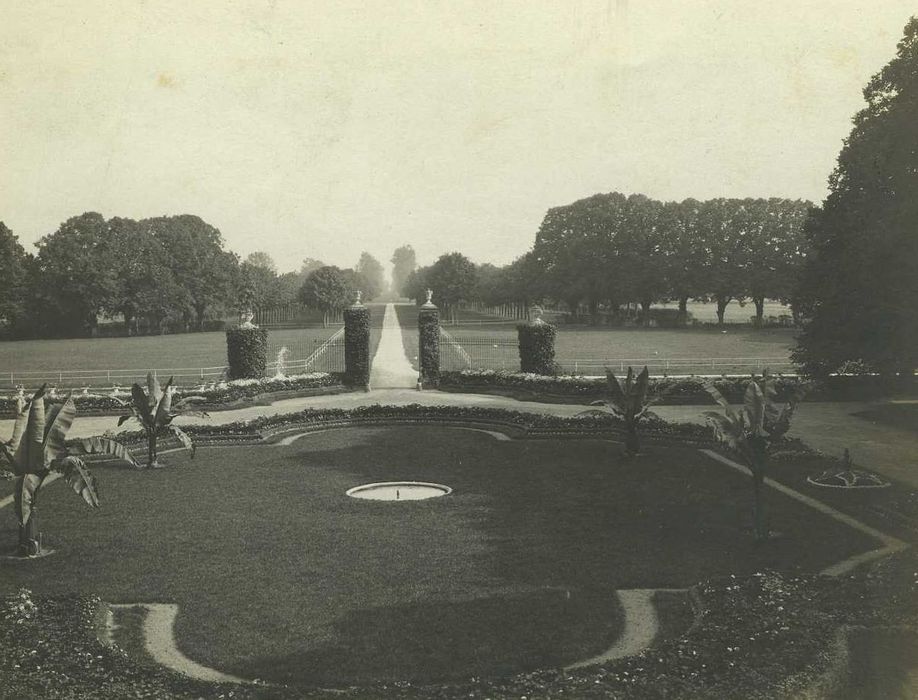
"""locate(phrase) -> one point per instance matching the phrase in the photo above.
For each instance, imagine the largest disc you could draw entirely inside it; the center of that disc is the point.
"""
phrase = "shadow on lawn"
(452, 640)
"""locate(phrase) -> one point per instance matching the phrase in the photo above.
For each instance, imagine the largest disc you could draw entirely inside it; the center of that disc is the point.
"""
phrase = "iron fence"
(477, 352)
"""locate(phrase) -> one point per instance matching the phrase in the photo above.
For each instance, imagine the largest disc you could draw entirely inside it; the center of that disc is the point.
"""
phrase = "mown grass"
(280, 576)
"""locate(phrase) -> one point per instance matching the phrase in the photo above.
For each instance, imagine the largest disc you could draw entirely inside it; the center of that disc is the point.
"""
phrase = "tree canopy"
(860, 286)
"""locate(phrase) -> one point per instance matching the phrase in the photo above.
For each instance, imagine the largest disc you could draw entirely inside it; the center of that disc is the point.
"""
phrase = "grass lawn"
(280, 576)
(895, 415)
(588, 350)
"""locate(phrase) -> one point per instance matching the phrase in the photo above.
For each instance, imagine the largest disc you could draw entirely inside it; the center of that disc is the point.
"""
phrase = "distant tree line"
(170, 272)
(612, 250)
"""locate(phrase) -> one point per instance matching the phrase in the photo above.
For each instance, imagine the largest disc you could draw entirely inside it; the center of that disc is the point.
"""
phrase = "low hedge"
(247, 352)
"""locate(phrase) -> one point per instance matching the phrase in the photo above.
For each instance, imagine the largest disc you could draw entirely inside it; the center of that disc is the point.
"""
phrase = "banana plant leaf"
(29, 456)
(22, 418)
(141, 404)
(715, 394)
(163, 405)
(80, 479)
(59, 421)
(754, 405)
(102, 446)
(27, 487)
(183, 438)
(154, 392)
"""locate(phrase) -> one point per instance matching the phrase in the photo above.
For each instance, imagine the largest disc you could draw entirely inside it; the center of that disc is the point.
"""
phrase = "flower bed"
(765, 636)
(576, 389)
(216, 395)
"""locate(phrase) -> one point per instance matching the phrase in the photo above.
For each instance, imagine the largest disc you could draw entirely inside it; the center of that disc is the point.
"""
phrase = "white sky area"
(321, 129)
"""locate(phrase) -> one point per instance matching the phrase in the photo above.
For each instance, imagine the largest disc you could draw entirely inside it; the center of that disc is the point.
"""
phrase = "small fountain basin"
(399, 491)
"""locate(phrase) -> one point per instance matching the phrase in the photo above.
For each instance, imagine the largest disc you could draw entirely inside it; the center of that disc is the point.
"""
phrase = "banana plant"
(39, 447)
(155, 410)
(751, 431)
(629, 402)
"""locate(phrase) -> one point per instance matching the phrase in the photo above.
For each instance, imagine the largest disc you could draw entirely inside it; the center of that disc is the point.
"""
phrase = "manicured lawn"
(895, 415)
(164, 353)
(280, 576)
(588, 350)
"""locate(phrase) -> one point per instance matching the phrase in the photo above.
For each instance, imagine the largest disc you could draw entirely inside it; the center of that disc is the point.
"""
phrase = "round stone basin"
(398, 491)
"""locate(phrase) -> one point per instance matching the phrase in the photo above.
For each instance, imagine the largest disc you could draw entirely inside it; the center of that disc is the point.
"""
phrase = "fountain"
(399, 491)
(280, 363)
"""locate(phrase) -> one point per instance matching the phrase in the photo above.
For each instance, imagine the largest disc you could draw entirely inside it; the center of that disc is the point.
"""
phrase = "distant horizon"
(296, 127)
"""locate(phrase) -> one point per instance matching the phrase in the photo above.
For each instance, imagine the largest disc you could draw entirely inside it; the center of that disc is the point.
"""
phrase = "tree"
(261, 259)
(777, 249)
(199, 264)
(416, 284)
(260, 288)
(723, 227)
(641, 254)
(370, 276)
(13, 273)
(404, 263)
(76, 275)
(144, 286)
(325, 289)
(859, 290)
(452, 278)
(37, 448)
(683, 252)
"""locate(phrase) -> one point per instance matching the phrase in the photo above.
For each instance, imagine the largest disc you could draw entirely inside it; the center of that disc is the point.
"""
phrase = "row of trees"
(164, 271)
(610, 250)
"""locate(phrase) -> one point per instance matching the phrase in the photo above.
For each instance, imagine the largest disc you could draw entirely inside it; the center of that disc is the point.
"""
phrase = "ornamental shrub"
(357, 346)
(537, 348)
(429, 345)
(247, 352)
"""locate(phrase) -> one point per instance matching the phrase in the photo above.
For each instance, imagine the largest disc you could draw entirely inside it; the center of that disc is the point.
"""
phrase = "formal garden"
(618, 466)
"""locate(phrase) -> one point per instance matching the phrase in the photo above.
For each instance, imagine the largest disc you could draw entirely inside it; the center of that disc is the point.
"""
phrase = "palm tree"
(155, 411)
(39, 447)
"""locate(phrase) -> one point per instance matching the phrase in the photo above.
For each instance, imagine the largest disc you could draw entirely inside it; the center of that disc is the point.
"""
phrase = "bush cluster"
(246, 352)
(357, 346)
(537, 348)
(429, 346)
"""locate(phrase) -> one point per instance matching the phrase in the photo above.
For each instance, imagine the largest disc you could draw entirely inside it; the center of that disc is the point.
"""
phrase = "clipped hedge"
(573, 389)
(537, 348)
(247, 352)
(429, 345)
(357, 346)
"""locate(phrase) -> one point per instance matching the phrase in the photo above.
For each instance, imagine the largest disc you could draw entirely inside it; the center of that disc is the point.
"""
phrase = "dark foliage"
(429, 346)
(357, 346)
(247, 352)
(537, 348)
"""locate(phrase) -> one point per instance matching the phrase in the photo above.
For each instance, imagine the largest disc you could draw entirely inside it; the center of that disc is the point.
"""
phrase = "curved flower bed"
(765, 636)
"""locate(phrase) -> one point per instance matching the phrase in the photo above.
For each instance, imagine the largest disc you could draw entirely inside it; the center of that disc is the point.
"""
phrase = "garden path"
(826, 426)
(391, 368)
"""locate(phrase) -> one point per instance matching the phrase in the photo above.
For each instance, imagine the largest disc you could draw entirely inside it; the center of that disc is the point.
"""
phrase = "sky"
(321, 129)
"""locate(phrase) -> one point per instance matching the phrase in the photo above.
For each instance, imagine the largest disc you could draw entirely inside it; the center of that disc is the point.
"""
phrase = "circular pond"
(399, 491)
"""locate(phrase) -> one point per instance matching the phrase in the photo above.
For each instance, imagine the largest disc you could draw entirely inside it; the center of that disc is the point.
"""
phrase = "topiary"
(247, 352)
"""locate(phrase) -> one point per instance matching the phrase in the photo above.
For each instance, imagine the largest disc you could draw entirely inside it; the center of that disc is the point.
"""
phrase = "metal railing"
(678, 366)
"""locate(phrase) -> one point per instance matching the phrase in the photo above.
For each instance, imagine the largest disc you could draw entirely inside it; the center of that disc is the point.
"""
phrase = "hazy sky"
(322, 129)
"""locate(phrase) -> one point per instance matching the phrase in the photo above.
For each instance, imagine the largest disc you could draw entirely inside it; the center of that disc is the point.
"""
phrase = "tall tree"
(858, 296)
(77, 275)
(723, 226)
(261, 259)
(325, 289)
(404, 262)
(199, 263)
(370, 276)
(13, 273)
(453, 279)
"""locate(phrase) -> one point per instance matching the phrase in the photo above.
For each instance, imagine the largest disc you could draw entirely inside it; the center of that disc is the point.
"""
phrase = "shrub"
(429, 345)
(247, 352)
(537, 348)
(357, 346)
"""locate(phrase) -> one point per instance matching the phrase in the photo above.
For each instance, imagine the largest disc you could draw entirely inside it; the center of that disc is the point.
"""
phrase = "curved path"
(391, 368)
